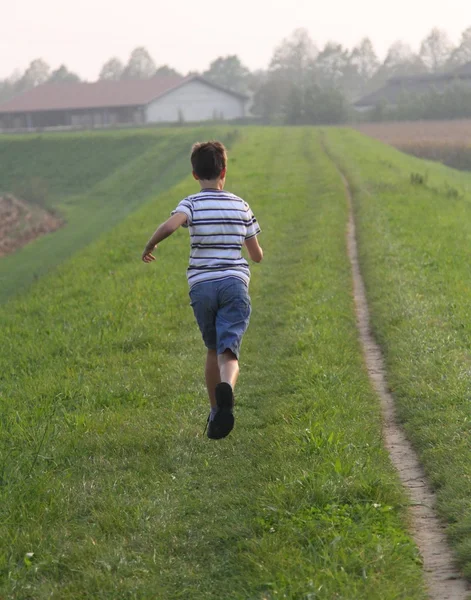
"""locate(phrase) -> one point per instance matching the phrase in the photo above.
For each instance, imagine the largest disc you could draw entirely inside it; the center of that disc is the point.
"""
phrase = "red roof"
(101, 94)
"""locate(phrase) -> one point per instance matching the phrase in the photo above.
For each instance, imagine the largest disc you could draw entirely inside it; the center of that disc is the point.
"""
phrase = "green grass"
(414, 227)
(93, 181)
(106, 477)
(68, 163)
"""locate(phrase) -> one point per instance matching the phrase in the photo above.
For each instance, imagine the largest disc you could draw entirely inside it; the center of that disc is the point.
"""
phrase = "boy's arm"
(161, 233)
(254, 249)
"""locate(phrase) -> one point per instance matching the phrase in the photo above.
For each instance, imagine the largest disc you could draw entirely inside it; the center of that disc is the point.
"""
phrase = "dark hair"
(208, 159)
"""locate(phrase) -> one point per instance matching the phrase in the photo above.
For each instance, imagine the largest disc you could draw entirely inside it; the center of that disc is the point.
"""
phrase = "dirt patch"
(21, 223)
(443, 579)
(448, 142)
(413, 133)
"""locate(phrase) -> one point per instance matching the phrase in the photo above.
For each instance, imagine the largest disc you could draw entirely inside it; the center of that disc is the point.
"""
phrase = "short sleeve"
(185, 207)
(253, 228)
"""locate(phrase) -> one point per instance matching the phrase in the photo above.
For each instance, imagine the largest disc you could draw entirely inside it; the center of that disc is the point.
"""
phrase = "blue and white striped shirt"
(219, 223)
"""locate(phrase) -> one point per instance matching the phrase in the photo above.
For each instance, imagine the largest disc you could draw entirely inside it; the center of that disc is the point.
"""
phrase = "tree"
(362, 65)
(462, 54)
(8, 86)
(295, 56)
(37, 73)
(290, 91)
(140, 65)
(435, 50)
(63, 75)
(331, 65)
(325, 106)
(112, 70)
(365, 59)
(229, 72)
(166, 71)
(290, 73)
(400, 61)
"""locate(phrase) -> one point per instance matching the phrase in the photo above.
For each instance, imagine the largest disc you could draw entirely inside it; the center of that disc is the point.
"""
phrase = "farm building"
(106, 103)
(398, 87)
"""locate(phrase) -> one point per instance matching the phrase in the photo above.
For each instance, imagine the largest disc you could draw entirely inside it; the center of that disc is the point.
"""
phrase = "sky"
(189, 34)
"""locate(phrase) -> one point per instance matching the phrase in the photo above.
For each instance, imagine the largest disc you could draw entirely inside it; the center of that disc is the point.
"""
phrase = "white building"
(167, 99)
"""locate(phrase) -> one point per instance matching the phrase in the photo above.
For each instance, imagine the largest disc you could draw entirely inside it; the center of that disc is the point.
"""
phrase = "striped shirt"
(219, 223)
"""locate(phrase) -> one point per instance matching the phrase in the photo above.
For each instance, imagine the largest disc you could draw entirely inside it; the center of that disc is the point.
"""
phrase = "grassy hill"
(108, 487)
(414, 228)
(92, 180)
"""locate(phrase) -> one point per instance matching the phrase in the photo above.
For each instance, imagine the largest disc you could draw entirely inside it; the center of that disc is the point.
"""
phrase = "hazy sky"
(188, 34)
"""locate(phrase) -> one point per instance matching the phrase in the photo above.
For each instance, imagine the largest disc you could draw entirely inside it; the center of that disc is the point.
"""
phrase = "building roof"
(100, 94)
(419, 84)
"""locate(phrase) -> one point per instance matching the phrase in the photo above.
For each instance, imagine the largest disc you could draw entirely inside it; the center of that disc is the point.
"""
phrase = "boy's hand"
(161, 233)
(147, 255)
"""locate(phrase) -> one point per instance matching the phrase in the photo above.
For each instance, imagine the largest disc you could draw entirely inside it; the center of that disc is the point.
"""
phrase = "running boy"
(220, 224)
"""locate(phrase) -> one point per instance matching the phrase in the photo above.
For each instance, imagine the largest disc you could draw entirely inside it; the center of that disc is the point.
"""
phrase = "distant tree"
(331, 65)
(290, 73)
(229, 72)
(400, 61)
(112, 70)
(325, 106)
(266, 98)
(362, 65)
(63, 75)
(140, 65)
(295, 56)
(436, 50)
(166, 71)
(37, 73)
(365, 59)
(462, 54)
(302, 86)
(7, 89)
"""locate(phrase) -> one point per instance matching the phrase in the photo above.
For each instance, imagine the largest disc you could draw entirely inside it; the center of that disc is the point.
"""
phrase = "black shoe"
(223, 422)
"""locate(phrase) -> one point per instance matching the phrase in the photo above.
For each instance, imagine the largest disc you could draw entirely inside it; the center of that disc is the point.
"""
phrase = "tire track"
(444, 580)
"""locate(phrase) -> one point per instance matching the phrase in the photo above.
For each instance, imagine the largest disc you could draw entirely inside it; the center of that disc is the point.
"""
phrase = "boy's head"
(209, 161)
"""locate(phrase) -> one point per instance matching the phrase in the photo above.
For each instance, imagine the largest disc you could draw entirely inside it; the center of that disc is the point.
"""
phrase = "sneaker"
(223, 422)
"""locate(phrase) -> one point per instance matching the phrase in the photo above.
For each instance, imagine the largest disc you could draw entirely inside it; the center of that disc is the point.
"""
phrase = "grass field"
(92, 181)
(414, 234)
(108, 488)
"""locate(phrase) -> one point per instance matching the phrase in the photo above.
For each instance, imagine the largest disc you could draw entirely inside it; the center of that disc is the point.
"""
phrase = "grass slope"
(68, 163)
(414, 227)
(109, 489)
(94, 181)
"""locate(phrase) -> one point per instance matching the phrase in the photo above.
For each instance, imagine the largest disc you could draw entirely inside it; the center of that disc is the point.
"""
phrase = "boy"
(220, 224)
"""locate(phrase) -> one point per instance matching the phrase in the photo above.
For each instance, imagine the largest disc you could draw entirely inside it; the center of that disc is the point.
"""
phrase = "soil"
(21, 223)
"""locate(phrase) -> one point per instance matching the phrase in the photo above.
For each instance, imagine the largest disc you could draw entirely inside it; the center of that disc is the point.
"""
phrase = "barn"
(166, 99)
(398, 87)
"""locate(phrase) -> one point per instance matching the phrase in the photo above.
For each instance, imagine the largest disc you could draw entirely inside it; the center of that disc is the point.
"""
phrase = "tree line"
(302, 83)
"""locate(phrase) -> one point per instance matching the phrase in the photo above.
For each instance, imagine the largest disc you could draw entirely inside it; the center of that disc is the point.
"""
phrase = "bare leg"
(212, 376)
(228, 367)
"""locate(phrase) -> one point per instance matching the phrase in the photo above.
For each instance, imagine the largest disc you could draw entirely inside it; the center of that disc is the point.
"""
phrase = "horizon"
(47, 32)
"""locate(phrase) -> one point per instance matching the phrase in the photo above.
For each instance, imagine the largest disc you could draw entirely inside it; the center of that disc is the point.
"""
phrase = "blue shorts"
(222, 309)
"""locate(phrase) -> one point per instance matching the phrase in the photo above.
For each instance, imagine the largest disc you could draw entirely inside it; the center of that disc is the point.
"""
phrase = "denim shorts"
(222, 309)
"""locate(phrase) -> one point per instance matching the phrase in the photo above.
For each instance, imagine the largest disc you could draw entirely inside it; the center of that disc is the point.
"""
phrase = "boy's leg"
(204, 303)
(212, 375)
(228, 367)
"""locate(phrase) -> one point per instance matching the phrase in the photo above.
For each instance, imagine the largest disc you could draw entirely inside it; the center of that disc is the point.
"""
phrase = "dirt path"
(21, 223)
(444, 581)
